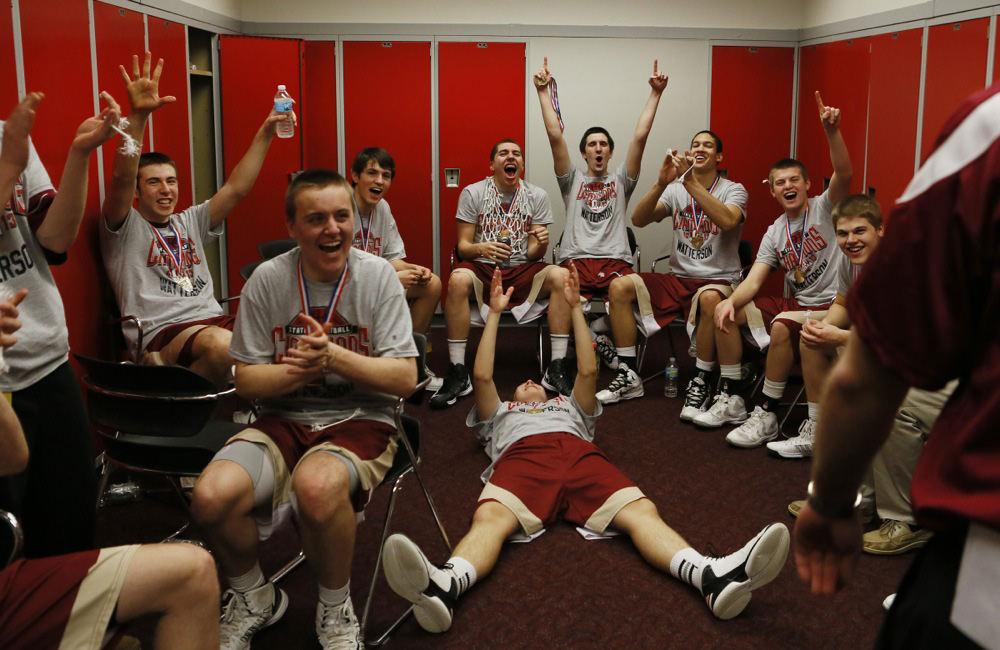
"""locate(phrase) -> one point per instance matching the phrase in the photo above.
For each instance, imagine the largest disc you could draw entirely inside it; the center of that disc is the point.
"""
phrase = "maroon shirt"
(928, 305)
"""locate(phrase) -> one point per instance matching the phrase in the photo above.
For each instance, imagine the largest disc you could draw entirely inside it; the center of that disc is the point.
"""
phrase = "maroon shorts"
(596, 274)
(771, 306)
(670, 296)
(560, 475)
(520, 277)
(168, 333)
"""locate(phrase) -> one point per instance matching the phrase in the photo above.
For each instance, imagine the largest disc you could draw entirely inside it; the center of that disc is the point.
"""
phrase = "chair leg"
(427, 495)
(795, 402)
(396, 488)
(103, 483)
(288, 568)
(541, 349)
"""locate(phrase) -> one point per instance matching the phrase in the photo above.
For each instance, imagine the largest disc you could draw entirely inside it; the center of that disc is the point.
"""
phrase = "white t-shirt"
(383, 236)
(718, 256)
(595, 215)
(492, 213)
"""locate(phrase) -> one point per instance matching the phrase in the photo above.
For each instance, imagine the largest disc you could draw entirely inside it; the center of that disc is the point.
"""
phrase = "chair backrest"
(11, 538)
(402, 462)
(148, 400)
(745, 252)
(276, 247)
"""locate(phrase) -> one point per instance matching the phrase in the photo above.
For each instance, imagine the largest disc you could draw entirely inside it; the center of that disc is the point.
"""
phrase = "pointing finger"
(819, 102)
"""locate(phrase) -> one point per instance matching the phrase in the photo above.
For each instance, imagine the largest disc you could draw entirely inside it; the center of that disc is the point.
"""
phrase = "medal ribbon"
(334, 298)
(554, 95)
(699, 215)
(802, 235)
(174, 259)
(365, 232)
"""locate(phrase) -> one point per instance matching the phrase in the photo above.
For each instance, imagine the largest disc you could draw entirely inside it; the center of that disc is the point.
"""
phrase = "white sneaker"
(435, 383)
(726, 409)
(431, 588)
(760, 427)
(801, 446)
(606, 351)
(248, 612)
(625, 385)
(696, 399)
(337, 627)
(726, 582)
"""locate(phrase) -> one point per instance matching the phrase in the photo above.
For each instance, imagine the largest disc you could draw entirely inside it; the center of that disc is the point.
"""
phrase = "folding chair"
(276, 247)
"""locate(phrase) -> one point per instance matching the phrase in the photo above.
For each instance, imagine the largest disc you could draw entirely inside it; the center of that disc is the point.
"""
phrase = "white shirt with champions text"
(595, 215)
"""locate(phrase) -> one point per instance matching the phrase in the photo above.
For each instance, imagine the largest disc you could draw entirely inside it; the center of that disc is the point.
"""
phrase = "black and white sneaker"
(455, 385)
(625, 385)
(696, 399)
(606, 351)
(431, 588)
(557, 377)
(726, 582)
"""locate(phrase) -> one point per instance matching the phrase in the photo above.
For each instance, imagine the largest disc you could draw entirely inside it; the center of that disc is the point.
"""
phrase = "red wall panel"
(247, 98)
(996, 53)
(62, 26)
(171, 124)
(8, 69)
(472, 117)
(956, 66)
(892, 113)
(397, 118)
(840, 72)
(318, 105)
(753, 85)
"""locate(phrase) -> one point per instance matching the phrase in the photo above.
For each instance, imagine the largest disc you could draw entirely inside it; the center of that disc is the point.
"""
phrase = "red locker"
(892, 113)
(318, 105)
(840, 72)
(8, 69)
(996, 53)
(172, 124)
(956, 66)
(397, 117)
(251, 69)
(473, 116)
(753, 85)
(62, 26)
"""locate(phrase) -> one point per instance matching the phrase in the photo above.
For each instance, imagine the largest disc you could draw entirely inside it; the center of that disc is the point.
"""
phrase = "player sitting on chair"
(544, 466)
(801, 243)
(708, 212)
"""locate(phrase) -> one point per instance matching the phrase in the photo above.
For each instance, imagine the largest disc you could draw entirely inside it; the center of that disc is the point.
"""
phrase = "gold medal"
(184, 282)
(800, 277)
(697, 241)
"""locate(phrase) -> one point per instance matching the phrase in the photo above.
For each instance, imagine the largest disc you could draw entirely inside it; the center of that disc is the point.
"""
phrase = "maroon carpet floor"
(562, 591)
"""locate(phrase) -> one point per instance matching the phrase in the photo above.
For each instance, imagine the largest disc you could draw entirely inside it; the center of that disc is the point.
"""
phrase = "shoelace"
(720, 403)
(620, 381)
(695, 393)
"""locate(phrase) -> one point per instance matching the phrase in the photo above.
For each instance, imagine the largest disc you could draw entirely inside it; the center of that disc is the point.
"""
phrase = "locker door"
(319, 104)
(8, 69)
(892, 114)
(387, 103)
(956, 66)
(472, 116)
(753, 85)
(63, 26)
(172, 124)
(251, 69)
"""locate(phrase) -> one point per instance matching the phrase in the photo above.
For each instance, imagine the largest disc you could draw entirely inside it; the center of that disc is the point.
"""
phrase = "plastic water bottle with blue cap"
(283, 106)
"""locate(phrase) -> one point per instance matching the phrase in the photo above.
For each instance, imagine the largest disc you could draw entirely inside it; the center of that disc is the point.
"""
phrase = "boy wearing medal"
(375, 232)
(802, 242)
(323, 340)
(155, 259)
(708, 212)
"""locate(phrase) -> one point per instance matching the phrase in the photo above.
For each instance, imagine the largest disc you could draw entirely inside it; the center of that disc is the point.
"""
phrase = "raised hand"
(571, 286)
(15, 132)
(8, 319)
(684, 163)
(95, 131)
(143, 87)
(498, 297)
(828, 115)
(658, 80)
(273, 119)
(542, 77)
(669, 168)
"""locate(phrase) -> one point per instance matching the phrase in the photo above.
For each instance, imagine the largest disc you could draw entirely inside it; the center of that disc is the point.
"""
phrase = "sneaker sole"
(766, 560)
(552, 387)
(279, 609)
(714, 425)
(689, 413)
(896, 550)
(451, 402)
(614, 399)
(795, 454)
(751, 445)
(406, 572)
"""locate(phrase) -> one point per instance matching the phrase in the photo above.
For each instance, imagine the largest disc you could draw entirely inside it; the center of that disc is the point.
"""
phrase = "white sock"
(334, 597)
(730, 372)
(774, 389)
(707, 366)
(559, 343)
(813, 411)
(456, 351)
(464, 572)
(686, 566)
(249, 580)
(625, 352)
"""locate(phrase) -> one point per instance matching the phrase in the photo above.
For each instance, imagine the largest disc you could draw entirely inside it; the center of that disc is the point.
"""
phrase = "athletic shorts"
(790, 313)
(369, 445)
(662, 297)
(527, 280)
(596, 274)
(551, 475)
(64, 601)
(170, 332)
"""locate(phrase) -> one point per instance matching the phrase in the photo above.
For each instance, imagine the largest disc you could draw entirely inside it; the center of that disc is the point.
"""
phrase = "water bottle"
(670, 374)
(507, 241)
(283, 104)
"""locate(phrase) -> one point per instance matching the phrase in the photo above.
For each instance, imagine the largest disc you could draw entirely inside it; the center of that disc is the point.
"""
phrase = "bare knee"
(780, 334)
(621, 291)
(199, 582)
(492, 514)
(433, 288)
(213, 342)
(708, 301)
(555, 277)
(321, 488)
(223, 489)
(459, 286)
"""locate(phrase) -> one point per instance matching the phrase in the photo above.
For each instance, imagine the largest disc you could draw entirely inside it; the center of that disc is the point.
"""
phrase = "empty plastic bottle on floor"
(670, 374)
(283, 104)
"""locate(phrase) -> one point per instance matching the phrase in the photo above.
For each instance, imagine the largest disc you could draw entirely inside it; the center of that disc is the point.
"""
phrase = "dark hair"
(377, 155)
(591, 131)
(312, 179)
(718, 140)
(154, 158)
(496, 147)
(786, 163)
(859, 205)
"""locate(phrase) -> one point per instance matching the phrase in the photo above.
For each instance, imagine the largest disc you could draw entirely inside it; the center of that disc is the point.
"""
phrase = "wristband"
(826, 509)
